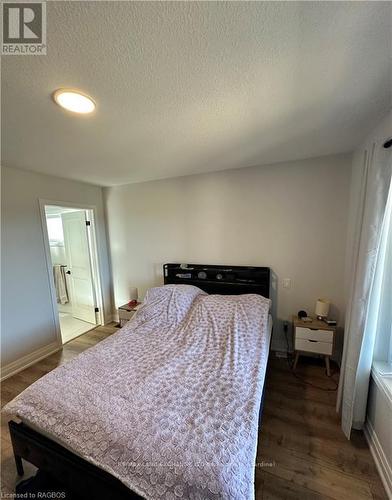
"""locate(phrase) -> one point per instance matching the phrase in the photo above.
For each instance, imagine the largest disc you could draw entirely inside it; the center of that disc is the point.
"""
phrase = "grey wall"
(27, 321)
(290, 217)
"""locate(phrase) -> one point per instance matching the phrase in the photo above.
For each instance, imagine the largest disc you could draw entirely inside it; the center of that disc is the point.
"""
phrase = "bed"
(168, 407)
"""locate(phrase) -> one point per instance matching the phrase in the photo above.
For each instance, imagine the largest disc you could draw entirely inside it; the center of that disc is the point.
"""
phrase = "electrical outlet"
(287, 283)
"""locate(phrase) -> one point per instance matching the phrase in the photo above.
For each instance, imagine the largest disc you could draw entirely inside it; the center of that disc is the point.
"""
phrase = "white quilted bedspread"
(170, 403)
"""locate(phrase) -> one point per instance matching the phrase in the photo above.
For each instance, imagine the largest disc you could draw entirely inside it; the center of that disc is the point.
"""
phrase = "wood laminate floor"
(302, 451)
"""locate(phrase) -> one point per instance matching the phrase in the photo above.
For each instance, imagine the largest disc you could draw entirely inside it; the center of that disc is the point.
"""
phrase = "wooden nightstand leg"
(327, 365)
(296, 360)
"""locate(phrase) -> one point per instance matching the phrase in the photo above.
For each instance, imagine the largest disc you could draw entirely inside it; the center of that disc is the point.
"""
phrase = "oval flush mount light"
(74, 101)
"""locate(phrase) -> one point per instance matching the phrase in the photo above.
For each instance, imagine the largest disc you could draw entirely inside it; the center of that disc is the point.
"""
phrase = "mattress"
(169, 404)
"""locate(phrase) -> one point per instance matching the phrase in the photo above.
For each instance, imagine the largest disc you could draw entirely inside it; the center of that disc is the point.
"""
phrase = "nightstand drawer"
(313, 346)
(127, 312)
(318, 335)
(126, 315)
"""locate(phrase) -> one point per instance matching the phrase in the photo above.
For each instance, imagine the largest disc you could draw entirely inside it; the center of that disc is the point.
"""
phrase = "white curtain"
(360, 330)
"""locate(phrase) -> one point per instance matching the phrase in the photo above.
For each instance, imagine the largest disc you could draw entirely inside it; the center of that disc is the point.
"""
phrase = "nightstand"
(126, 312)
(314, 337)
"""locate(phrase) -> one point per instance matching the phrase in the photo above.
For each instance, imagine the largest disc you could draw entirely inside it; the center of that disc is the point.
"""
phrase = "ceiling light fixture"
(74, 101)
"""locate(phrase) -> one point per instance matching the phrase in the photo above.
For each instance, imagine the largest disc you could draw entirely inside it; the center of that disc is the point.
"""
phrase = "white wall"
(27, 321)
(290, 217)
(379, 429)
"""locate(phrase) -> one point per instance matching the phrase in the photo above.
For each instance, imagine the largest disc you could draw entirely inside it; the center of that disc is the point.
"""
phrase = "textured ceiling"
(193, 87)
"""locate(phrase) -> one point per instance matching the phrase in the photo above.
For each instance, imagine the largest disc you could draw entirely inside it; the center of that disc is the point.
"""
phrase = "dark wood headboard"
(224, 280)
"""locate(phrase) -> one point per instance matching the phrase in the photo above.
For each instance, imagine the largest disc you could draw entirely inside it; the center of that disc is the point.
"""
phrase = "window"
(380, 310)
(55, 230)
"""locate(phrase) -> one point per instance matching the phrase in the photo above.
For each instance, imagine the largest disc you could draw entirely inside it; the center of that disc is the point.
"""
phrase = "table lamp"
(322, 308)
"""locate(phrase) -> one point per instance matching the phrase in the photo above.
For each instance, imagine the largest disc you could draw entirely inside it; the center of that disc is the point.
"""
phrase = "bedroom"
(223, 134)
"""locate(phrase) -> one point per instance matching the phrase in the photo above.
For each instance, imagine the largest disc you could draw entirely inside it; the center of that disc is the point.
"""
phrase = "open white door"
(79, 265)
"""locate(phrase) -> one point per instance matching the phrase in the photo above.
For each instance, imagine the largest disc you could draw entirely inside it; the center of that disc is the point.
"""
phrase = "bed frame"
(223, 280)
(63, 471)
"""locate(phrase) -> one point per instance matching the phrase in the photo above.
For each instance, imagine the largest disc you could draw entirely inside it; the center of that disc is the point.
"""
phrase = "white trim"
(48, 259)
(383, 467)
(378, 379)
(29, 359)
(94, 251)
(95, 266)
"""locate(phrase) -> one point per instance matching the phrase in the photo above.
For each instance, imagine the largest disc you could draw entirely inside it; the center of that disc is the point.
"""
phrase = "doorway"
(73, 268)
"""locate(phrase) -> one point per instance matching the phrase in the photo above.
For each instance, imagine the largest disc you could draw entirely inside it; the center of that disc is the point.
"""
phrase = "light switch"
(287, 283)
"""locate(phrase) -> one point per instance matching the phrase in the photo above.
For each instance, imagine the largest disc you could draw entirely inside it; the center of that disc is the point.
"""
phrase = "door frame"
(96, 268)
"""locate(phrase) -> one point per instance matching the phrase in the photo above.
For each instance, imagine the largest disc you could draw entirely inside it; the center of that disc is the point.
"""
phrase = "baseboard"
(28, 360)
(383, 467)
